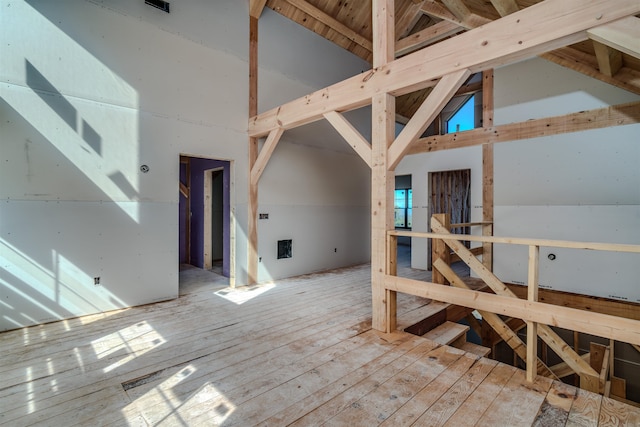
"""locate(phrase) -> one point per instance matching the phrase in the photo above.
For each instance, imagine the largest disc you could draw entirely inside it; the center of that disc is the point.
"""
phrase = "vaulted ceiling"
(613, 57)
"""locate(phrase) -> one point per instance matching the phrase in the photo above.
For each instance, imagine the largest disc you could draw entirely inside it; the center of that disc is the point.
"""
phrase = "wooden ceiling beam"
(332, 23)
(617, 115)
(256, 7)
(609, 60)
(408, 19)
(622, 35)
(458, 9)
(521, 35)
(505, 7)
(585, 64)
(437, 10)
(429, 35)
(470, 20)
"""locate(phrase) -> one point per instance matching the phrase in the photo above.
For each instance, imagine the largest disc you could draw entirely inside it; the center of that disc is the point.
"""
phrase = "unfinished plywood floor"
(296, 352)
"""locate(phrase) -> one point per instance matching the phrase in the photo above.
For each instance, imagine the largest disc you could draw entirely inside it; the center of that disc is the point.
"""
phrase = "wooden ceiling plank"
(256, 7)
(429, 110)
(526, 33)
(609, 60)
(351, 135)
(332, 23)
(616, 115)
(265, 154)
(429, 35)
(505, 7)
(622, 35)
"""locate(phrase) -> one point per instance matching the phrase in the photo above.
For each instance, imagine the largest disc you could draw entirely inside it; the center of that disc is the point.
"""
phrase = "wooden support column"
(532, 327)
(487, 168)
(252, 235)
(382, 179)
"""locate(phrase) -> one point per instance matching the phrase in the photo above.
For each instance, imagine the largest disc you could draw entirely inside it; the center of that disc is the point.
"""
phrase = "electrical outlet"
(335, 249)
(96, 281)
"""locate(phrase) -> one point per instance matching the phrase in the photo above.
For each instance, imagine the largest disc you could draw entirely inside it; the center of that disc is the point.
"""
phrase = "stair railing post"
(532, 327)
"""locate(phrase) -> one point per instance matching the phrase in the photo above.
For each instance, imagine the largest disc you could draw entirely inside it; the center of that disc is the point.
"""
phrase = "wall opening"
(450, 193)
(205, 214)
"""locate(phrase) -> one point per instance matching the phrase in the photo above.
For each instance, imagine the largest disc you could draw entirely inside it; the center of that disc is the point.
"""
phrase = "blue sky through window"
(464, 118)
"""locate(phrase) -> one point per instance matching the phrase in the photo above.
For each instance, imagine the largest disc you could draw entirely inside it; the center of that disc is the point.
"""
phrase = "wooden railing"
(537, 315)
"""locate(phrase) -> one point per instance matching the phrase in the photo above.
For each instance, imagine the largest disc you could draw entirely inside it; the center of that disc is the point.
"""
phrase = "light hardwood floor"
(299, 351)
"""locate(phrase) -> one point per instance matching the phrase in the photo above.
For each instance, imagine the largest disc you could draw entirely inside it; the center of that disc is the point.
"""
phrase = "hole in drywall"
(284, 249)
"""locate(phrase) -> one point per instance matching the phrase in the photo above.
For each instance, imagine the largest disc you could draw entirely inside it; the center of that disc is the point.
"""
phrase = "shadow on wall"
(75, 232)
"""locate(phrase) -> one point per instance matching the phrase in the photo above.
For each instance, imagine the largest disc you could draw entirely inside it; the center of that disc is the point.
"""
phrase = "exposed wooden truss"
(611, 54)
(443, 66)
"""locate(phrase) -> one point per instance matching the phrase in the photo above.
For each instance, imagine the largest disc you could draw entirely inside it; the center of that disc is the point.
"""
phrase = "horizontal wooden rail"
(611, 247)
(470, 224)
(604, 325)
(538, 316)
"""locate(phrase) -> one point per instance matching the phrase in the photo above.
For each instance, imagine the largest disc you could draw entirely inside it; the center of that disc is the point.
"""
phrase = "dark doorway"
(205, 214)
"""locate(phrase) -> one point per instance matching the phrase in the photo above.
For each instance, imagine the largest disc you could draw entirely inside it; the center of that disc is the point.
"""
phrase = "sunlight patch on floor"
(244, 293)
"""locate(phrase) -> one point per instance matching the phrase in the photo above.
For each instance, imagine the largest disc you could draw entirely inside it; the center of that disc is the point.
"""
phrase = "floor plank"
(299, 351)
(518, 403)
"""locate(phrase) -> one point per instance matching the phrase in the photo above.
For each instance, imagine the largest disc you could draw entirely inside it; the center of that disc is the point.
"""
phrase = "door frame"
(207, 250)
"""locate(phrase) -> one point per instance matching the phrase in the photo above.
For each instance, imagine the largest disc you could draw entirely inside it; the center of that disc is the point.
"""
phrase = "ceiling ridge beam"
(429, 110)
(532, 31)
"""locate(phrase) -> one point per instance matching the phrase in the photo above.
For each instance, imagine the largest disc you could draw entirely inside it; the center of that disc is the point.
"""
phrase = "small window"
(402, 205)
(464, 118)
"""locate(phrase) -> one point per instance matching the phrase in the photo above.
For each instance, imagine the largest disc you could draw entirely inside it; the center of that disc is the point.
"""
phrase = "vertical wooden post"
(392, 269)
(440, 250)
(487, 169)
(532, 327)
(252, 238)
(382, 179)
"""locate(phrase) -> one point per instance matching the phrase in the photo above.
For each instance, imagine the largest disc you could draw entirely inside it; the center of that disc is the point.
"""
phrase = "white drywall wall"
(582, 186)
(92, 90)
(320, 200)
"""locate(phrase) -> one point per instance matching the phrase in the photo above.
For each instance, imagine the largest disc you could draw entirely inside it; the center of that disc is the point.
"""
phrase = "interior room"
(319, 212)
